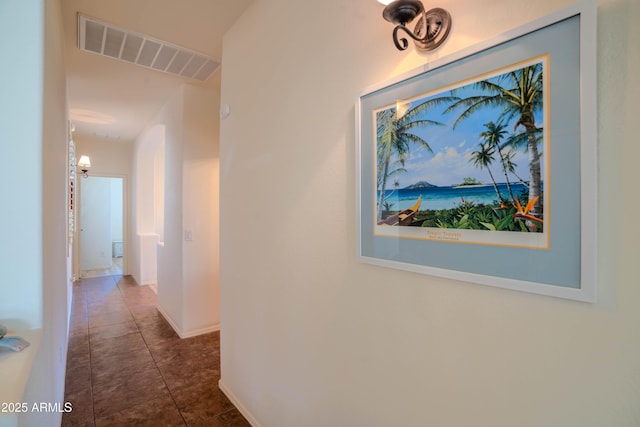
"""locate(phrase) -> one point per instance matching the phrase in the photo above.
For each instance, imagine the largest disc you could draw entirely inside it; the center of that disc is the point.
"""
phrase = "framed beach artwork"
(481, 166)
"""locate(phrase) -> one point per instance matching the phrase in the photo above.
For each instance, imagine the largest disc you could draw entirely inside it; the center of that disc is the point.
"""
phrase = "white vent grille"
(105, 39)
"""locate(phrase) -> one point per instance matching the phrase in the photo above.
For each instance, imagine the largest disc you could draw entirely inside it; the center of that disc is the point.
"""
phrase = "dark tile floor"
(127, 367)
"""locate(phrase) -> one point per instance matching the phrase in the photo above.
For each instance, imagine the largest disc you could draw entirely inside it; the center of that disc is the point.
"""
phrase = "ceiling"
(114, 100)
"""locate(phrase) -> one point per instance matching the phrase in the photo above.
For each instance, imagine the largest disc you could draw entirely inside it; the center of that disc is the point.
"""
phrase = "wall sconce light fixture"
(432, 27)
(84, 164)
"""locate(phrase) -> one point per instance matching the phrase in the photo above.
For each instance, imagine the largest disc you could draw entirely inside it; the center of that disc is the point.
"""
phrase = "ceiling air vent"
(107, 40)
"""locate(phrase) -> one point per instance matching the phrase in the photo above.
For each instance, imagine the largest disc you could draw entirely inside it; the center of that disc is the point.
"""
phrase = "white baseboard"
(168, 319)
(186, 334)
(244, 411)
(200, 331)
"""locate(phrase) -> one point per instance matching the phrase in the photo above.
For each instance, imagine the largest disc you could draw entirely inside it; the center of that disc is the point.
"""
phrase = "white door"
(95, 223)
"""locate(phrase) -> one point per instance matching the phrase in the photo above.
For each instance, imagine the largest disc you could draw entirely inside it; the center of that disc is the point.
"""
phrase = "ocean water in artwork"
(479, 143)
(438, 198)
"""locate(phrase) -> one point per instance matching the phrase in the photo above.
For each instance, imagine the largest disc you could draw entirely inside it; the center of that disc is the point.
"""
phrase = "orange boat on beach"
(404, 217)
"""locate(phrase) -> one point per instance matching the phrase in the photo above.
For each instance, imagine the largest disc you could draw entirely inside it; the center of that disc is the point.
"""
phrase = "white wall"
(147, 201)
(101, 220)
(201, 209)
(187, 271)
(112, 159)
(311, 337)
(21, 130)
(95, 222)
(170, 261)
(116, 210)
(107, 157)
(158, 191)
(47, 377)
(33, 126)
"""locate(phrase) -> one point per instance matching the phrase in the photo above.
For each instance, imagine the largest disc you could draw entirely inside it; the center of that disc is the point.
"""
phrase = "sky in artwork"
(450, 162)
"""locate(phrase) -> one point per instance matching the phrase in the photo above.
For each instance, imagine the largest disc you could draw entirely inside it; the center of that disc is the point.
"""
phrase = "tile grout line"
(93, 406)
(155, 362)
(95, 418)
(86, 308)
(104, 298)
(93, 403)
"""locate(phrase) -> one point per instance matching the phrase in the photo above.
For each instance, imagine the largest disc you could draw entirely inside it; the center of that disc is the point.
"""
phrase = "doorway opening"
(150, 205)
(101, 226)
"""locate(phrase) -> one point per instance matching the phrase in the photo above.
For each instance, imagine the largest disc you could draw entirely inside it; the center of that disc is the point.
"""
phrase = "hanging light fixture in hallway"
(84, 164)
(432, 27)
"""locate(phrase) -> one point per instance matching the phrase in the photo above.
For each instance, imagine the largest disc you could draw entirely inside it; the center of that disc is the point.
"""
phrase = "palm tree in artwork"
(510, 165)
(493, 137)
(395, 134)
(483, 159)
(519, 94)
(394, 169)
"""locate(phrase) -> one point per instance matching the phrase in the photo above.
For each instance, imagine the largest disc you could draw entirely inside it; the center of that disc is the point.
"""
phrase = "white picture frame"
(564, 264)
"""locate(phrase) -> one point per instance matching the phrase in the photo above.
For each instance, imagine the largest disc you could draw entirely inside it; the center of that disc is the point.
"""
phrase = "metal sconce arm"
(431, 30)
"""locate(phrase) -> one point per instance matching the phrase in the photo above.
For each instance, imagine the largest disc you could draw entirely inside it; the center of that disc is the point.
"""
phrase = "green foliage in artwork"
(470, 216)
